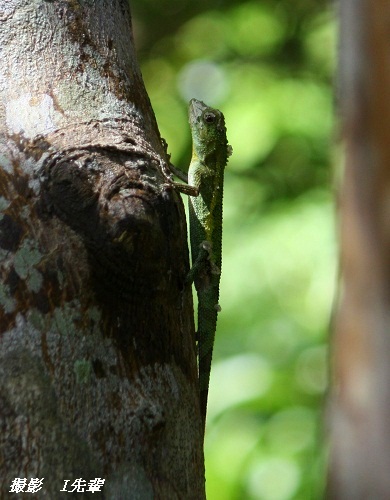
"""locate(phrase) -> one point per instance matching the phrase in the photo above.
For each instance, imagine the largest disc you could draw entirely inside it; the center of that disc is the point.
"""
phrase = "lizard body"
(210, 153)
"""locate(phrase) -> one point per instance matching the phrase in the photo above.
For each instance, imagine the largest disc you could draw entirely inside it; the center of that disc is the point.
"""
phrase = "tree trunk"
(360, 403)
(98, 374)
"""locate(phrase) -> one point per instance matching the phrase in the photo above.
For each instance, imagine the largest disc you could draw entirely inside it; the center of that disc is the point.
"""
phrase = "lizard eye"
(209, 117)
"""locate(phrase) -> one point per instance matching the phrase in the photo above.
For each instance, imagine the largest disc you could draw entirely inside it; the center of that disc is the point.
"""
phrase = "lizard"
(210, 152)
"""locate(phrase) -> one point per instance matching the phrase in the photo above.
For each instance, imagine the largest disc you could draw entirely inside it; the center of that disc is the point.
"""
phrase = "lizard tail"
(207, 322)
(204, 379)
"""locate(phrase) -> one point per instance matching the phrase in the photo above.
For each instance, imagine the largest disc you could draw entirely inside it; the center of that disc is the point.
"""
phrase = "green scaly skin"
(210, 153)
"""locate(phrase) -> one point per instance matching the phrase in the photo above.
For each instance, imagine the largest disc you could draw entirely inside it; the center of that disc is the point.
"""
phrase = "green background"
(269, 67)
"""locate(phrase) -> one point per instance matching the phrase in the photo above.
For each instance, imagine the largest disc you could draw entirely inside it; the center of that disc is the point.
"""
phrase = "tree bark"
(360, 402)
(98, 372)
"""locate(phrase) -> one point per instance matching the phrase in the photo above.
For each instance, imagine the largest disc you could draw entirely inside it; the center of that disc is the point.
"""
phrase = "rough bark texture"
(97, 353)
(360, 403)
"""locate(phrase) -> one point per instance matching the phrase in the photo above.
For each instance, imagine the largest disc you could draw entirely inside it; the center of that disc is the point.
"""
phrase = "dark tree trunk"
(360, 403)
(98, 370)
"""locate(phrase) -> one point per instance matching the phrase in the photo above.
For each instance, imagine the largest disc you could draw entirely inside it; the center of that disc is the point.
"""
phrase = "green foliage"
(268, 66)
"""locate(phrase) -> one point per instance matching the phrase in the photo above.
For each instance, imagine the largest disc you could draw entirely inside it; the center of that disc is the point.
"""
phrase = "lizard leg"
(179, 173)
(202, 260)
(185, 188)
(182, 188)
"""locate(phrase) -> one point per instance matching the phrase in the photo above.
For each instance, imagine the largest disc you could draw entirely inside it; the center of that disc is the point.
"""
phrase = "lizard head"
(207, 124)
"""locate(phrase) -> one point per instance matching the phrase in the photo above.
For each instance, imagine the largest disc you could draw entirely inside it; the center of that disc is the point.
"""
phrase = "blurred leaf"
(240, 379)
(204, 34)
(320, 43)
(254, 29)
(273, 479)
